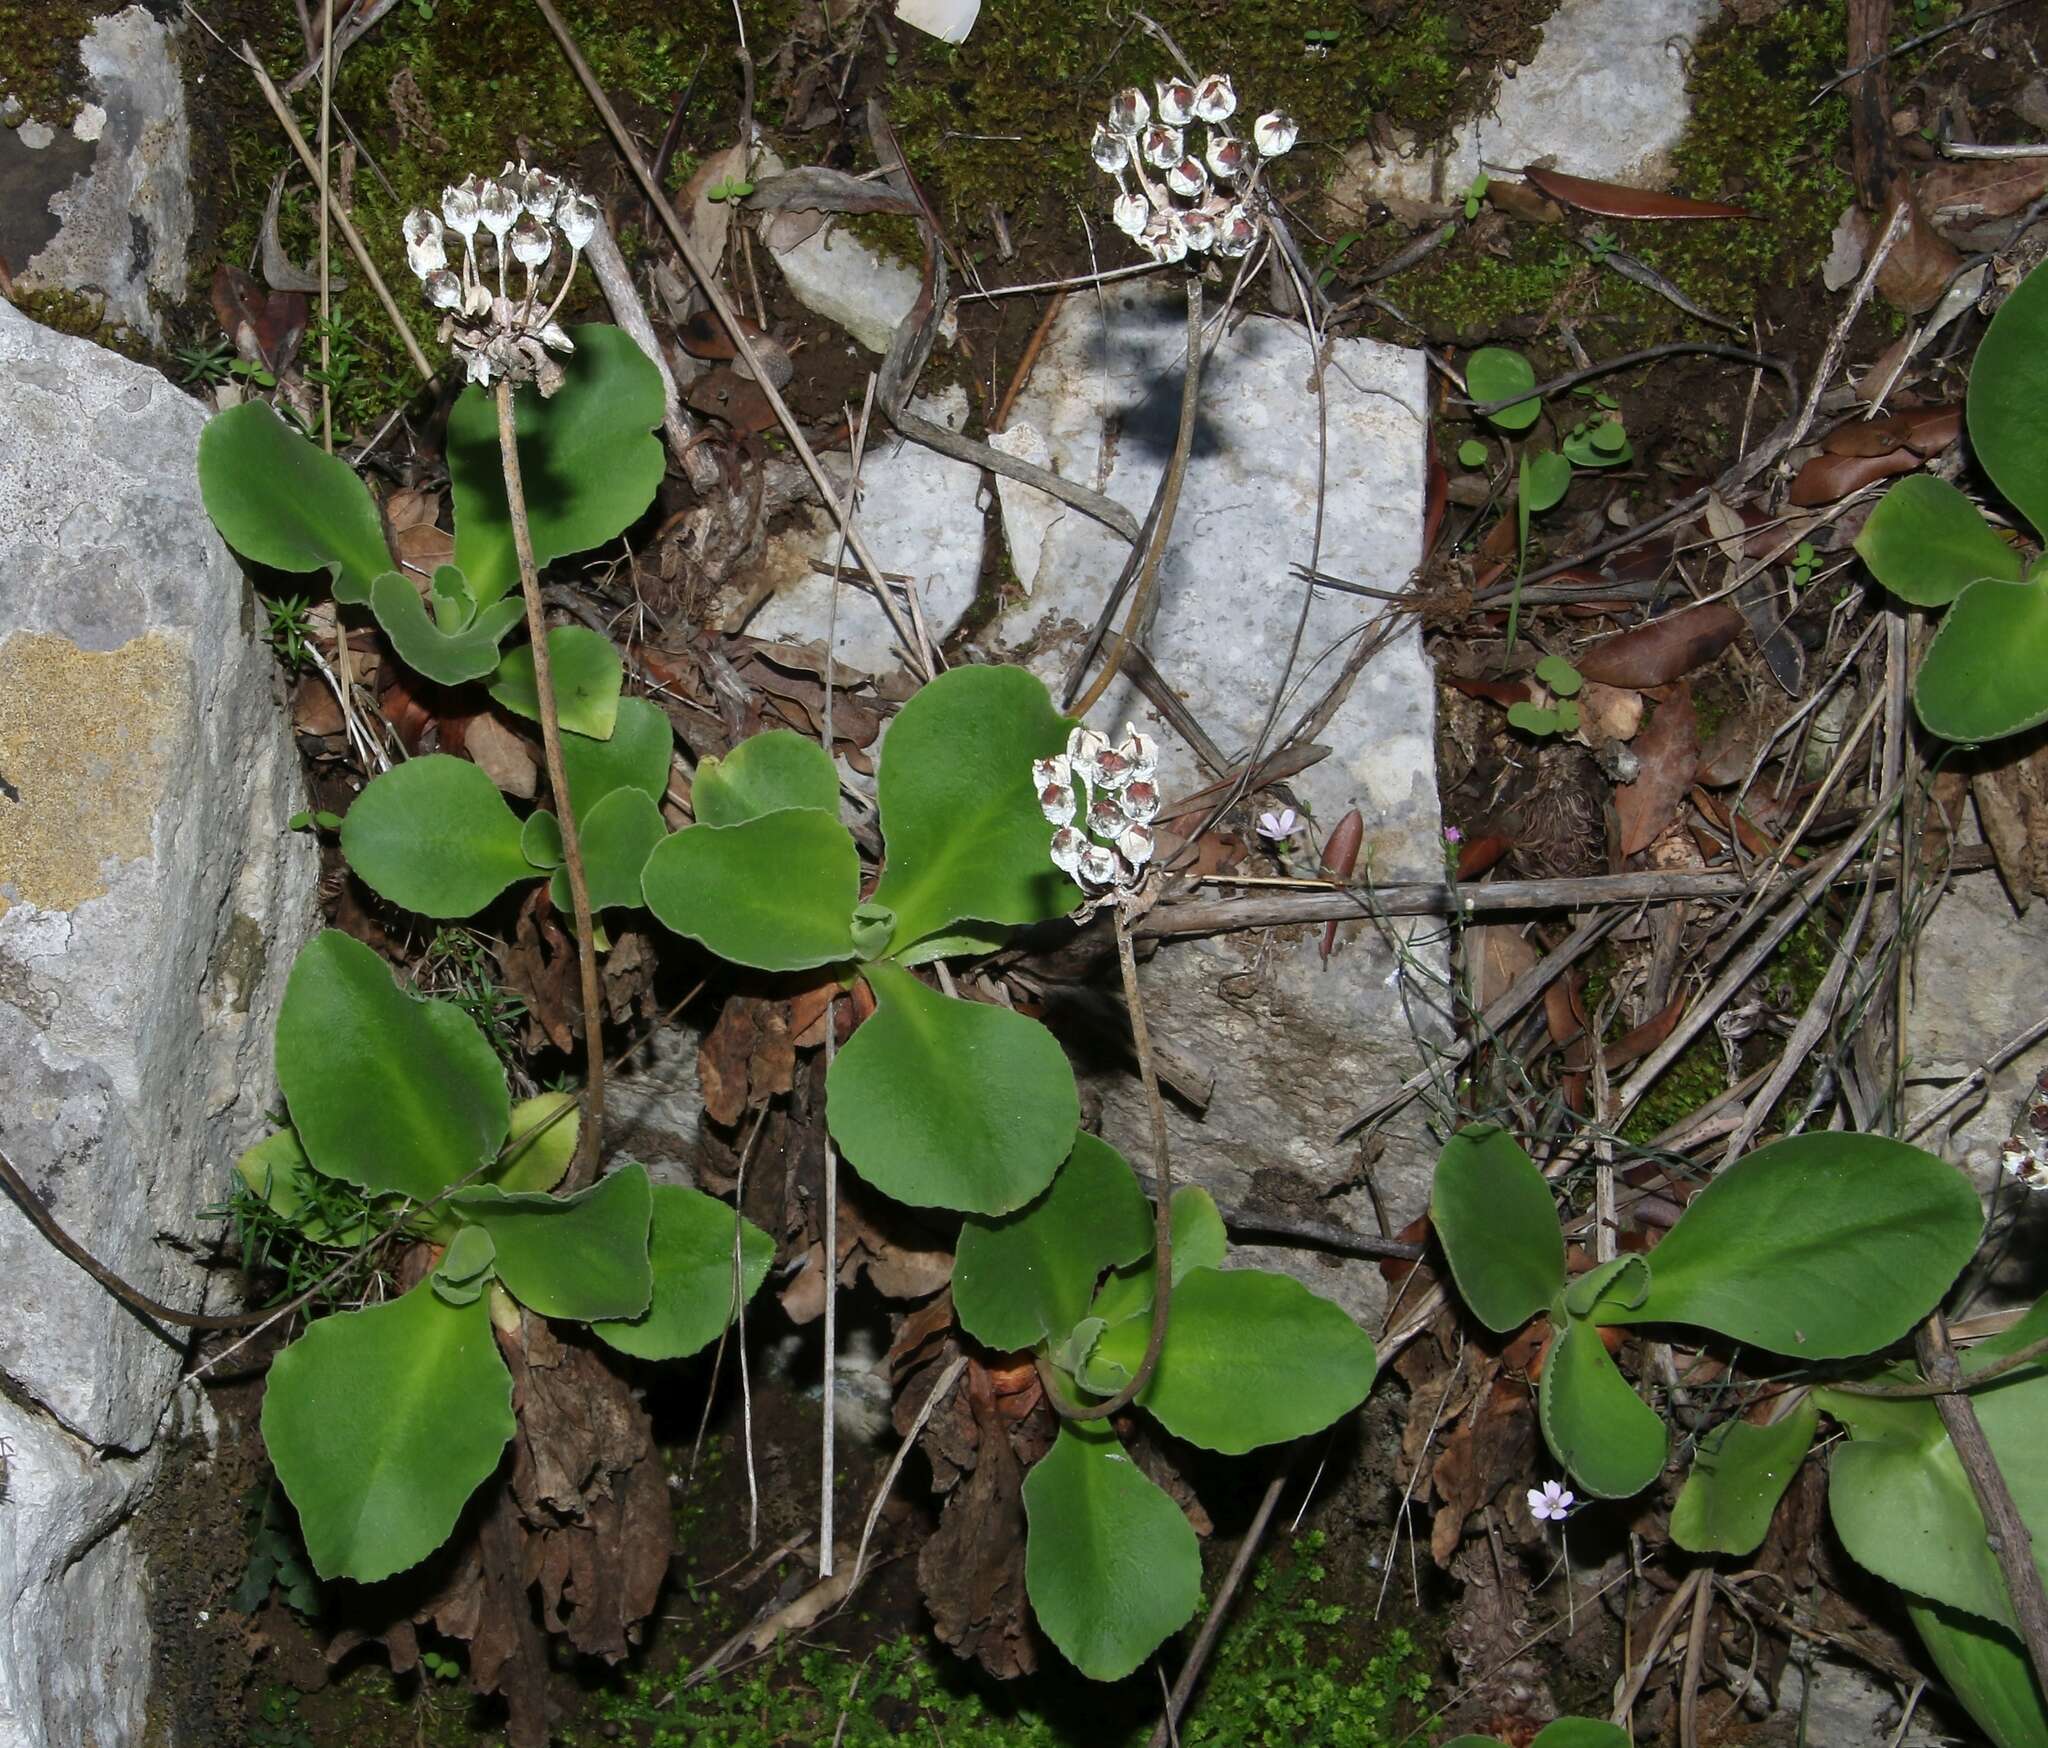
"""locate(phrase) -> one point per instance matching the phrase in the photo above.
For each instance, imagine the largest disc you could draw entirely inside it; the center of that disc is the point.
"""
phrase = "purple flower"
(1550, 1503)
(1279, 826)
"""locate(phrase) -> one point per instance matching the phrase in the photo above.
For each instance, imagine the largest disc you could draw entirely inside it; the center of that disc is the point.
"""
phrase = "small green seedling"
(730, 188)
(1471, 453)
(1598, 441)
(314, 819)
(1474, 195)
(1805, 561)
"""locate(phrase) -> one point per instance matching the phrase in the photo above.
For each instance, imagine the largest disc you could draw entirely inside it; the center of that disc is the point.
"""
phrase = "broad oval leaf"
(396, 1095)
(540, 840)
(1493, 373)
(776, 893)
(1821, 1246)
(434, 835)
(1738, 1476)
(582, 1256)
(588, 461)
(1495, 1218)
(586, 672)
(1985, 675)
(1581, 1733)
(1926, 543)
(539, 1143)
(765, 773)
(447, 657)
(1199, 1242)
(1984, 1667)
(690, 1250)
(619, 835)
(948, 1104)
(1027, 1277)
(1609, 1440)
(2008, 389)
(381, 1424)
(283, 501)
(636, 756)
(966, 837)
(1110, 1562)
(1251, 1358)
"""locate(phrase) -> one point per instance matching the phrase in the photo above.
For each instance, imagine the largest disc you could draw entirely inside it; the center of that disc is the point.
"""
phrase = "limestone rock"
(116, 183)
(151, 900)
(1294, 1045)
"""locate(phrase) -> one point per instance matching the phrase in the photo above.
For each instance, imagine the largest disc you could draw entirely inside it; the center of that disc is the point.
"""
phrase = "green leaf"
(1821, 1246)
(392, 1093)
(1546, 477)
(1898, 1495)
(1493, 373)
(873, 925)
(1110, 1563)
(2008, 389)
(1985, 1668)
(1251, 1358)
(1622, 1279)
(276, 1170)
(618, 836)
(540, 840)
(949, 1104)
(381, 1424)
(587, 461)
(1471, 453)
(447, 657)
(1581, 1733)
(539, 1143)
(1983, 677)
(582, 1256)
(465, 1266)
(1073, 1354)
(587, 674)
(1737, 1479)
(765, 773)
(1559, 675)
(690, 1250)
(966, 836)
(1605, 1435)
(1494, 1216)
(777, 892)
(1199, 1242)
(282, 501)
(966, 941)
(636, 756)
(1027, 1277)
(433, 835)
(1926, 543)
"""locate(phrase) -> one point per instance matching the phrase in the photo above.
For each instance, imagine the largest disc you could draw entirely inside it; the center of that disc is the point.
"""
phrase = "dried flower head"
(1112, 789)
(1185, 209)
(495, 331)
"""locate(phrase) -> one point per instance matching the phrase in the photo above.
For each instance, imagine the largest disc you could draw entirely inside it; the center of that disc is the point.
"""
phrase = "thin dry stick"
(590, 1142)
(349, 234)
(1162, 1168)
(937, 1394)
(831, 1266)
(721, 304)
(2012, 1544)
(1695, 1658)
(326, 209)
(1219, 1611)
(1978, 1077)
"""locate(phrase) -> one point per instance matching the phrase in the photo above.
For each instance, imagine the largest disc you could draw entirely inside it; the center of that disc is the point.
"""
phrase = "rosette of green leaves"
(382, 1422)
(936, 1102)
(1819, 1247)
(1985, 675)
(589, 465)
(1250, 1358)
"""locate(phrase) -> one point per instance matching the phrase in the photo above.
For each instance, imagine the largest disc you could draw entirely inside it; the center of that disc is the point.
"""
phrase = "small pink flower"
(1452, 835)
(1550, 1503)
(1279, 826)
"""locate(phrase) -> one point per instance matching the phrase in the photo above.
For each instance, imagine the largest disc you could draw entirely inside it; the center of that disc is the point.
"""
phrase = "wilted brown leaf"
(1659, 652)
(747, 1058)
(1924, 430)
(1966, 192)
(1670, 753)
(1921, 264)
(1827, 478)
(502, 755)
(1611, 200)
(2012, 806)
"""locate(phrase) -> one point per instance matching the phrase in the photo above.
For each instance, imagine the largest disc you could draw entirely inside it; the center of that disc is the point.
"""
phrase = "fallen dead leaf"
(1611, 200)
(502, 755)
(1656, 653)
(1965, 193)
(1609, 712)
(1669, 751)
(1924, 430)
(1921, 264)
(1827, 478)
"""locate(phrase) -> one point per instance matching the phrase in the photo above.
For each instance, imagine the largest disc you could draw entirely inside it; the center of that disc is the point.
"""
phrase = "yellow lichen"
(84, 747)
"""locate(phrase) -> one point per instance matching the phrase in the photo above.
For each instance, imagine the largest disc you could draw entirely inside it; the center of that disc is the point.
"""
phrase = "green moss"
(39, 56)
(84, 314)
(1699, 1074)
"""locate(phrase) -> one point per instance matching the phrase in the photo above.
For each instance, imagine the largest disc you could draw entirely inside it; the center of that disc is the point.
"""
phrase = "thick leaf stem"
(2012, 1544)
(589, 1143)
(1162, 1168)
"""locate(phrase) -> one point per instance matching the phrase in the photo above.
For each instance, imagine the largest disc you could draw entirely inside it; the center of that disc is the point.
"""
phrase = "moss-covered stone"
(39, 55)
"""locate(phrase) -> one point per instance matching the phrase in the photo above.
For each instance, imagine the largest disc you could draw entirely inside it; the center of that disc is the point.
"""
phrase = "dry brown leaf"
(1659, 652)
(711, 220)
(501, 755)
(1505, 953)
(1827, 478)
(2012, 807)
(1924, 430)
(1670, 753)
(1610, 712)
(421, 548)
(408, 507)
(1921, 265)
(747, 1058)
(1962, 194)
